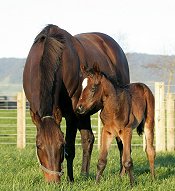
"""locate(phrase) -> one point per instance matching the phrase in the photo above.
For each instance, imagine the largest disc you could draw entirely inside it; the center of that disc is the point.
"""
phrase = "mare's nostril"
(79, 109)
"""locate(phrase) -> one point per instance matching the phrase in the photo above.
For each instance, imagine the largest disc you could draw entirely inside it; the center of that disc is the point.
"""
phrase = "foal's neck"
(111, 91)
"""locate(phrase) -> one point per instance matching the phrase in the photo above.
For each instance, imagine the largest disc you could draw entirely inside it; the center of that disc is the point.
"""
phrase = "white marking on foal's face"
(84, 83)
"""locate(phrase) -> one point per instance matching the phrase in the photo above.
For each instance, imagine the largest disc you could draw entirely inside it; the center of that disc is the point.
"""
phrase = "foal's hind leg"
(126, 135)
(106, 139)
(150, 151)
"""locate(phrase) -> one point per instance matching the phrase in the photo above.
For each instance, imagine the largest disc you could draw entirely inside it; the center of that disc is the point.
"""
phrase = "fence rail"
(16, 126)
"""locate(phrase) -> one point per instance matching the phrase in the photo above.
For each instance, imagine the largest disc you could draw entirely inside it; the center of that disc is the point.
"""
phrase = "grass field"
(19, 171)
(8, 129)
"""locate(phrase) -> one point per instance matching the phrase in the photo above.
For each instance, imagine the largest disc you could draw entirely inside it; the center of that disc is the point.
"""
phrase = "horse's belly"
(137, 120)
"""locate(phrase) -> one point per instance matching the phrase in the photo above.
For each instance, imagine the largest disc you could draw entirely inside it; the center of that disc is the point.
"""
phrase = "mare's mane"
(50, 61)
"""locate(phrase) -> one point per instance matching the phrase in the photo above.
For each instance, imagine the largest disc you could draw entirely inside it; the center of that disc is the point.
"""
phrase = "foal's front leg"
(106, 140)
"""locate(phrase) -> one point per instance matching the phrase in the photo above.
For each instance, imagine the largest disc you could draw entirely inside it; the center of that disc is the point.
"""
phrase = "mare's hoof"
(71, 180)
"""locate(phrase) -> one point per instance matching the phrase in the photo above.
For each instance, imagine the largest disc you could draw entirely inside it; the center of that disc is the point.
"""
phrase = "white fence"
(16, 126)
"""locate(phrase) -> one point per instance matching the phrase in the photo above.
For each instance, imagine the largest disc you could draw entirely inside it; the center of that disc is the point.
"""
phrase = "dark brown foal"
(124, 108)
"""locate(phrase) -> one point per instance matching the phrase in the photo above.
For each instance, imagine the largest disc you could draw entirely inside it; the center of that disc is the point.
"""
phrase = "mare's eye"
(38, 145)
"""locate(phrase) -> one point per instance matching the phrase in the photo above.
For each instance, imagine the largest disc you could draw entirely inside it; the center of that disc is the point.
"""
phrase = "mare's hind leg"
(126, 135)
(106, 139)
(120, 147)
(150, 151)
(87, 140)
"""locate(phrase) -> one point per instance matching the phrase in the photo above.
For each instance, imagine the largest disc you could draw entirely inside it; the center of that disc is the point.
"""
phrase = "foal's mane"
(112, 79)
(50, 61)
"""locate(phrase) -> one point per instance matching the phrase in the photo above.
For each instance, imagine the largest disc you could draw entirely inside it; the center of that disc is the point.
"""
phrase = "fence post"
(99, 130)
(170, 121)
(21, 125)
(160, 116)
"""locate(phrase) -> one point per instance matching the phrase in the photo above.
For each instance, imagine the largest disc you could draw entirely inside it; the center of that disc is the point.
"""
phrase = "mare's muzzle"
(80, 109)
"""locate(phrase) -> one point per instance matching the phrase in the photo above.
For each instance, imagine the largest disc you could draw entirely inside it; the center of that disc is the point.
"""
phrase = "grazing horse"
(52, 82)
(124, 108)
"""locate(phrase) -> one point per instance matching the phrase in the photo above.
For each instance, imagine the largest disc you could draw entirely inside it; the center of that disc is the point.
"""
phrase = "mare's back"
(103, 49)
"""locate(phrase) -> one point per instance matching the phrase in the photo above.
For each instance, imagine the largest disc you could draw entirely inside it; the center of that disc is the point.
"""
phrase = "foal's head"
(50, 146)
(91, 90)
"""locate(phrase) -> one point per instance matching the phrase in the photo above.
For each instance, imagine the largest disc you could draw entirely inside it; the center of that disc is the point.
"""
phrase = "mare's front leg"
(106, 140)
(126, 136)
(87, 141)
(120, 147)
(71, 130)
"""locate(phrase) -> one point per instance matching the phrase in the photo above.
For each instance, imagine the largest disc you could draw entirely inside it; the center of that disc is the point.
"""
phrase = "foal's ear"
(96, 68)
(35, 118)
(83, 69)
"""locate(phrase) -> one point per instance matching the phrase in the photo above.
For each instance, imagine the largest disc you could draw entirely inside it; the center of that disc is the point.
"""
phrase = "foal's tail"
(149, 111)
(141, 127)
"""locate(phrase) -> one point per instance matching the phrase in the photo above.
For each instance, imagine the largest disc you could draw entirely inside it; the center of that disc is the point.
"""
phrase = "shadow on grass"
(165, 160)
(165, 165)
(164, 169)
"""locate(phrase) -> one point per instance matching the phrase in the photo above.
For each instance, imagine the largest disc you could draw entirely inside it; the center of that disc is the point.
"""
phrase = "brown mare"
(52, 81)
(124, 108)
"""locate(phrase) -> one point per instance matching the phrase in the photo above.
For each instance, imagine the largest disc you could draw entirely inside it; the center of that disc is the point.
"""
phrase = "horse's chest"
(110, 123)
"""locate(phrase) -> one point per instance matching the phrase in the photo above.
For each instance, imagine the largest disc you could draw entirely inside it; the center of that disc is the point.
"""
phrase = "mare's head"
(50, 146)
(44, 75)
(92, 89)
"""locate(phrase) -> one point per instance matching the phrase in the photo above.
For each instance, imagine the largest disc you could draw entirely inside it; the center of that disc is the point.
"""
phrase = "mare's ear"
(96, 68)
(57, 115)
(35, 118)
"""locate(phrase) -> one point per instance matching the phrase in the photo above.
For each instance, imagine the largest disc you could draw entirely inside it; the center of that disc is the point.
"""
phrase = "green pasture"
(19, 171)
(8, 129)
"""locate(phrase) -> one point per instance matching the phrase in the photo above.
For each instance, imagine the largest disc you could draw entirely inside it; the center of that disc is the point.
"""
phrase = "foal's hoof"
(131, 180)
(98, 179)
(84, 175)
(122, 172)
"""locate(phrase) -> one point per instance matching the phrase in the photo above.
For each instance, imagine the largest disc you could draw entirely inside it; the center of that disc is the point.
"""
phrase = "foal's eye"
(93, 88)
